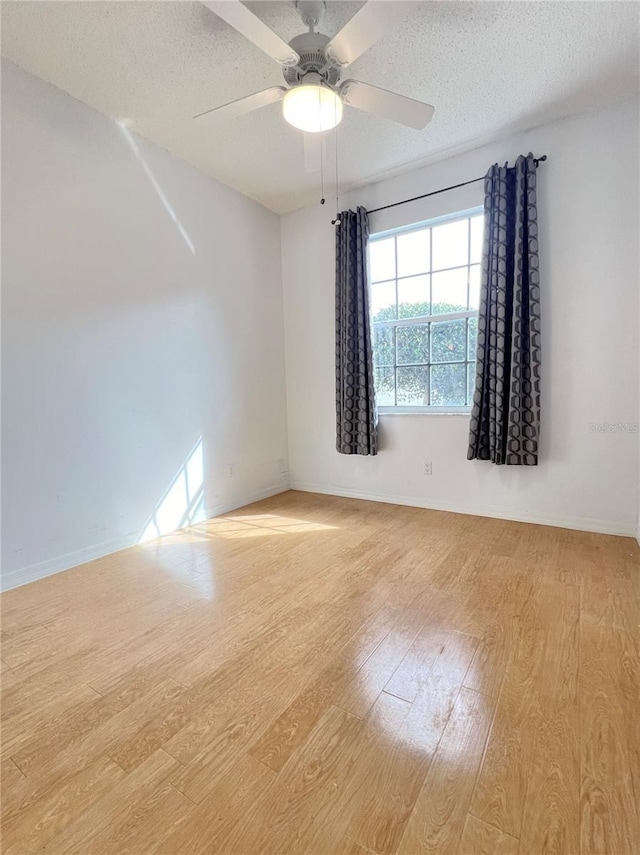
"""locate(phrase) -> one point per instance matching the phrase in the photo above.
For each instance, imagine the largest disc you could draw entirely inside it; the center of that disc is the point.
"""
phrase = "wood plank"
(250, 705)
(611, 602)
(291, 809)
(289, 731)
(46, 762)
(84, 720)
(501, 789)
(348, 847)
(192, 713)
(20, 721)
(551, 814)
(22, 647)
(439, 814)
(363, 690)
(34, 822)
(228, 737)
(14, 786)
(433, 652)
(489, 664)
(478, 838)
(387, 769)
(134, 816)
(497, 642)
(212, 822)
(610, 745)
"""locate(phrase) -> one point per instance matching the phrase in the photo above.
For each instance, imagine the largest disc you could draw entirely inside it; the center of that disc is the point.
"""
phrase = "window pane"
(385, 387)
(448, 385)
(477, 225)
(450, 244)
(382, 259)
(413, 386)
(449, 291)
(413, 344)
(413, 297)
(383, 301)
(472, 338)
(413, 253)
(448, 341)
(471, 382)
(383, 346)
(474, 287)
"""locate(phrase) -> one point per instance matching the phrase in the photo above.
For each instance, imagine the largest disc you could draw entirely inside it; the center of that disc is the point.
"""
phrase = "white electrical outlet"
(428, 467)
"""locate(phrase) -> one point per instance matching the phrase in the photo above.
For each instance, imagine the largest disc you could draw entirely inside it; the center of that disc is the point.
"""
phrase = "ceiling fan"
(312, 65)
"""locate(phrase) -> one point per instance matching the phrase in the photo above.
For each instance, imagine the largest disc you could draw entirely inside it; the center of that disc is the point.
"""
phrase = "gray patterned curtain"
(505, 417)
(356, 417)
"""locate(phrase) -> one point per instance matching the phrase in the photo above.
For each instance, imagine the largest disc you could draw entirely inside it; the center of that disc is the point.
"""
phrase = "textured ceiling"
(487, 67)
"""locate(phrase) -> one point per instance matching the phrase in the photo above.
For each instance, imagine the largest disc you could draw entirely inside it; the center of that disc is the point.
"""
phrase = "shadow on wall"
(183, 502)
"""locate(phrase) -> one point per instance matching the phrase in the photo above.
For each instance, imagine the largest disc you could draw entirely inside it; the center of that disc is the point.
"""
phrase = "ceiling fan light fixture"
(312, 107)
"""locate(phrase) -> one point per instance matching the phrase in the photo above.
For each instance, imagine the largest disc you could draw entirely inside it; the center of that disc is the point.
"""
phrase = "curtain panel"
(356, 417)
(505, 416)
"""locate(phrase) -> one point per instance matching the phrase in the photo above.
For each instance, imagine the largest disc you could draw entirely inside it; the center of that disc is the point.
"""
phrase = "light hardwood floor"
(321, 675)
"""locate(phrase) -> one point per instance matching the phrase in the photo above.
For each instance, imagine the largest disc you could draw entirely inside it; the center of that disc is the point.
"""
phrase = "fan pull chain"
(336, 222)
(322, 200)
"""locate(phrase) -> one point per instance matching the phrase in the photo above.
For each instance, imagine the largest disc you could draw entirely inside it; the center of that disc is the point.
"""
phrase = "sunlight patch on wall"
(183, 502)
(123, 125)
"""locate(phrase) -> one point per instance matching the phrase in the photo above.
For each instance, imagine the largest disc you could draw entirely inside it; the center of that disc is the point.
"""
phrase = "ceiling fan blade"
(388, 105)
(244, 21)
(243, 105)
(364, 30)
(312, 152)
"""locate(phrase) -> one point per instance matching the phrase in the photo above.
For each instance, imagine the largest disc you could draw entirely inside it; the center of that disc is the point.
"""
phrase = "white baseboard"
(41, 570)
(33, 572)
(577, 523)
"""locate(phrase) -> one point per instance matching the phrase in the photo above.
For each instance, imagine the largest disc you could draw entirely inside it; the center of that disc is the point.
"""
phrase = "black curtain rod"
(536, 160)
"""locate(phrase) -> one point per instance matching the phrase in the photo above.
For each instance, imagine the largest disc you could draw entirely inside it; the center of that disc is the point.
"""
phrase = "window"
(425, 289)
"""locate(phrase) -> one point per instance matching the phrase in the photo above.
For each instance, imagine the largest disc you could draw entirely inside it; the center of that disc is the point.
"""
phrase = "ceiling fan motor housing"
(311, 49)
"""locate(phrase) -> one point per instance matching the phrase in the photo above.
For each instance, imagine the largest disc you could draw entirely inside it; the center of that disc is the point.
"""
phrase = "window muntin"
(425, 287)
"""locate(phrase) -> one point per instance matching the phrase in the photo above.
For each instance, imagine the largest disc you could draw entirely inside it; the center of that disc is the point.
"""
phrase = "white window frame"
(449, 409)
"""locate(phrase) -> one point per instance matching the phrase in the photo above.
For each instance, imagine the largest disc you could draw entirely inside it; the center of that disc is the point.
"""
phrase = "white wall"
(142, 311)
(588, 216)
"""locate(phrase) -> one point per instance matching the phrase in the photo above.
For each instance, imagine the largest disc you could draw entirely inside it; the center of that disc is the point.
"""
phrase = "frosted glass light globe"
(312, 108)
